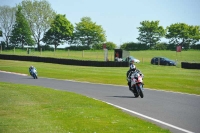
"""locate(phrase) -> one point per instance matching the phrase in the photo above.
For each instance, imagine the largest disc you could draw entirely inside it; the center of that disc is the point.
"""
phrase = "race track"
(177, 112)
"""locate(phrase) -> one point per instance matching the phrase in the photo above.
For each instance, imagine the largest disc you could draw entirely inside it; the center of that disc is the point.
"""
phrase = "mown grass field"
(171, 78)
(38, 109)
(32, 109)
(143, 56)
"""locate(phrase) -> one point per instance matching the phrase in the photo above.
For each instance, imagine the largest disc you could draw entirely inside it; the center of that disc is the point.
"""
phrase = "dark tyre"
(136, 95)
(140, 92)
(133, 90)
(34, 76)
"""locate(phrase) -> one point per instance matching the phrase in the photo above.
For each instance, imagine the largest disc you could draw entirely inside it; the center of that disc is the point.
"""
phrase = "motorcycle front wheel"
(140, 88)
(34, 76)
(136, 94)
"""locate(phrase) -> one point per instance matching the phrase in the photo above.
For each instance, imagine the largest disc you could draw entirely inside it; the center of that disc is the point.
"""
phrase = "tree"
(61, 31)
(161, 46)
(110, 45)
(7, 19)
(21, 33)
(183, 34)
(88, 33)
(39, 15)
(150, 32)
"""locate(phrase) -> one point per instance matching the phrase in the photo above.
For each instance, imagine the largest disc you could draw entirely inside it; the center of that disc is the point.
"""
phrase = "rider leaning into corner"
(131, 71)
(30, 69)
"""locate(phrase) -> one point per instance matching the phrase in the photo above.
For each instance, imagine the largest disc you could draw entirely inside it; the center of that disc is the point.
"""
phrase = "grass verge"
(35, 109)
(168, 78)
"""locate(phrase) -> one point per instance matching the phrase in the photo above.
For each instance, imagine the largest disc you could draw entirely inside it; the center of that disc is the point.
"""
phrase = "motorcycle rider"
(131, 71)
(31, 69)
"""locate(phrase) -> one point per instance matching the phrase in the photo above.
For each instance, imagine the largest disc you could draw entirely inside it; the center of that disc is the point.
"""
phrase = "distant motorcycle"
(137, 84)
(34, 73)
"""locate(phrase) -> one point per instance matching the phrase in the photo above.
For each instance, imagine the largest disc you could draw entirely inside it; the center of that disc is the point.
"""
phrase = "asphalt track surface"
(180, 113)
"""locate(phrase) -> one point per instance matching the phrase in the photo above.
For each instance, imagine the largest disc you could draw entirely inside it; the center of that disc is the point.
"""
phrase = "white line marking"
(103, 84)
(150, 118)
(14, 73)
(133, 112)
(173, 92)
(147, 117)
(127, 87)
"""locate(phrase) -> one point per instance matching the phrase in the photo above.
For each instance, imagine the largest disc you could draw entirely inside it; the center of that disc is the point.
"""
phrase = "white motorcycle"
(34, 73)
(137, 84)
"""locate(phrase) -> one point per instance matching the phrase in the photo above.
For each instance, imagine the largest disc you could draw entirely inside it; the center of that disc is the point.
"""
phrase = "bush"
(131, 46)
(195, 46)
(46, 47)
(78, 48)
(160, 46)
(109, 46)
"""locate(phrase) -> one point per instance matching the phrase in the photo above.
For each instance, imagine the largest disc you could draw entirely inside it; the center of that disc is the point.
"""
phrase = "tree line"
(150, 34)
(35, 23)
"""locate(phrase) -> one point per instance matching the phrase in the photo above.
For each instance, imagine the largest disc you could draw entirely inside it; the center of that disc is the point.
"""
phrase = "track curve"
(174, 111)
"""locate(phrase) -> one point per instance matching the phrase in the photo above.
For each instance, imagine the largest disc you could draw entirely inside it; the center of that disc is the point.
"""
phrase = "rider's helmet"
(31, 67)
(132, 67)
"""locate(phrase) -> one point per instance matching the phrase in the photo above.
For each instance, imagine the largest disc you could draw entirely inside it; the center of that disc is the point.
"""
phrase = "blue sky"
(120, 18)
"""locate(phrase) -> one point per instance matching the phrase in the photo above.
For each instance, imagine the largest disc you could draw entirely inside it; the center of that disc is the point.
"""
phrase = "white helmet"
(132, 67)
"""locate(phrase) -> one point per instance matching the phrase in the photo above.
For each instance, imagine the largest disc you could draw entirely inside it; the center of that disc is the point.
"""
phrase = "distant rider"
(31, 68)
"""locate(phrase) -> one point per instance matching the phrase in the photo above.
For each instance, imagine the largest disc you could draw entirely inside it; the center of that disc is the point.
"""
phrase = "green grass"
(81, 55)
(169, 78)
(38, 109)
(144, 56)
(33, 109)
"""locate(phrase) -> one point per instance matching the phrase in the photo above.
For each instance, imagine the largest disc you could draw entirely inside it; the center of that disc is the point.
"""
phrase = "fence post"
(1, 48)
(176, 62)
(105, 54)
